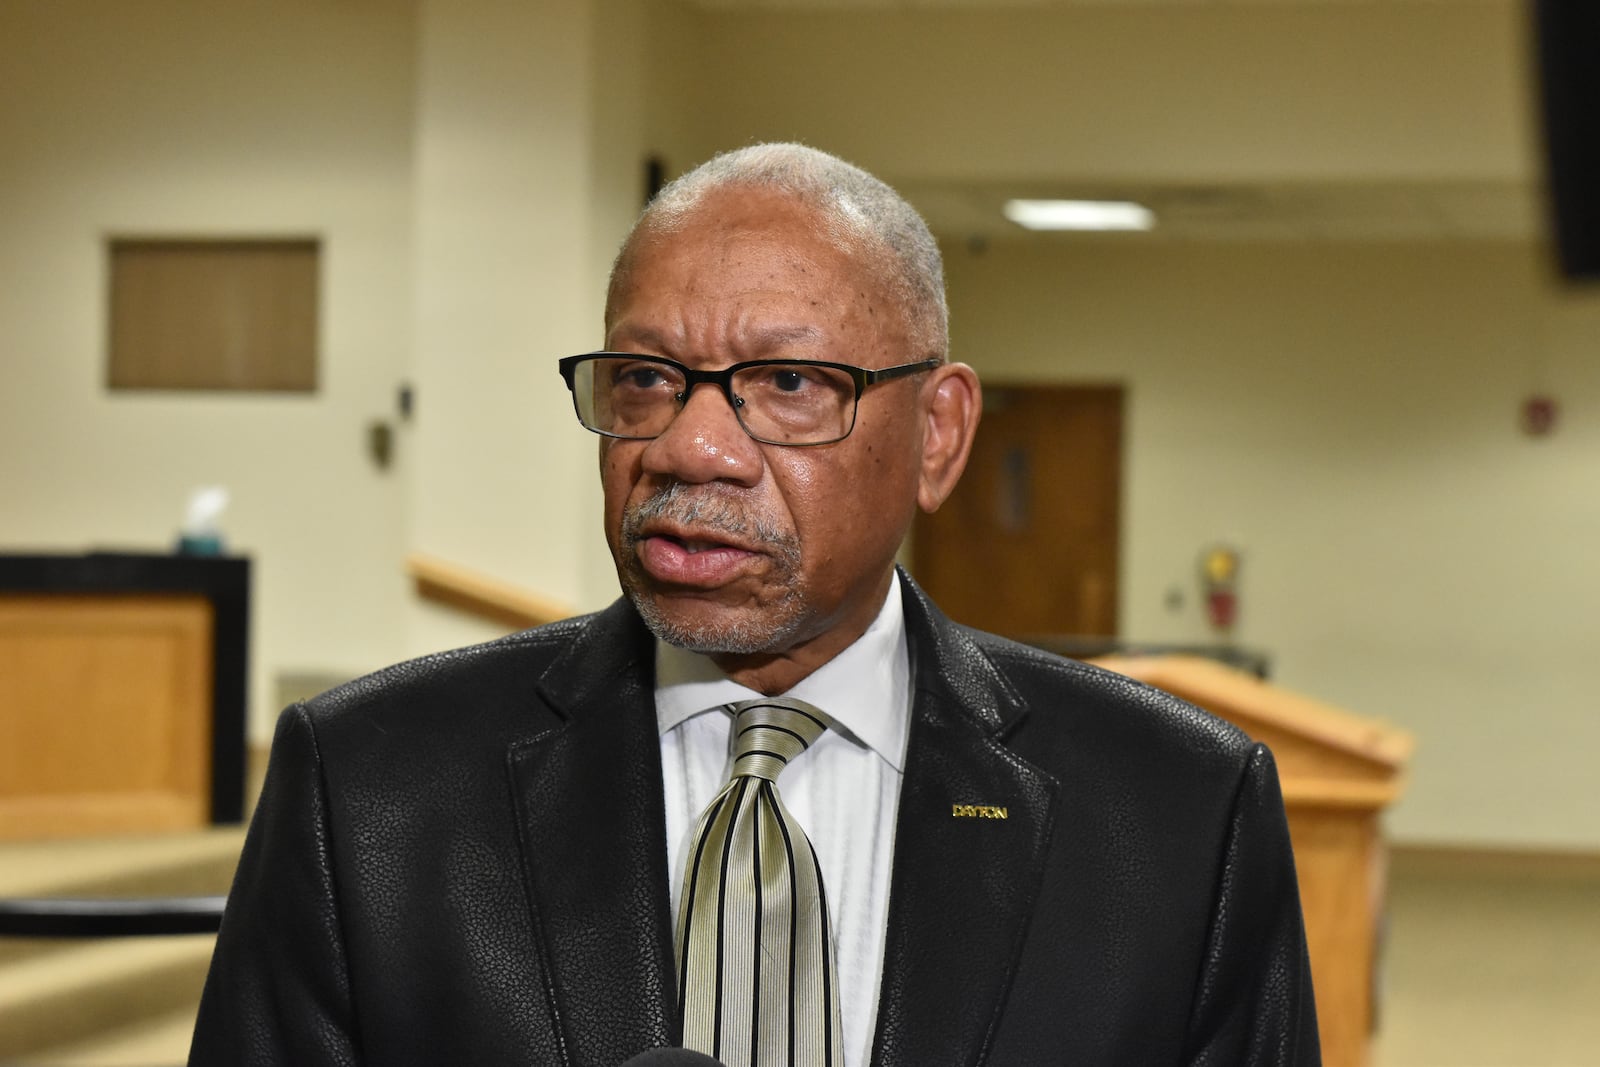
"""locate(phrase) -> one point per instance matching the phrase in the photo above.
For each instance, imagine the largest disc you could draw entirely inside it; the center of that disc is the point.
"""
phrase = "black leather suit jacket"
(462, 860)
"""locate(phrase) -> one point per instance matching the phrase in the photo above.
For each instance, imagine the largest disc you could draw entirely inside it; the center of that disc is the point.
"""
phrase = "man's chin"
(702, 627)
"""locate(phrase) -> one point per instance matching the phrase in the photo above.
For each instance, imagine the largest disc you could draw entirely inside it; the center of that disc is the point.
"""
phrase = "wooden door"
(1028, 542)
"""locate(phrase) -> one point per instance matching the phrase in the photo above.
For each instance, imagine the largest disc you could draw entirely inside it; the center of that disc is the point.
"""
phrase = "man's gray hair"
(854, 206)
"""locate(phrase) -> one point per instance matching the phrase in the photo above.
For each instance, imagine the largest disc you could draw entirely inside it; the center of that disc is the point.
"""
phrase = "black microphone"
(671, 1057)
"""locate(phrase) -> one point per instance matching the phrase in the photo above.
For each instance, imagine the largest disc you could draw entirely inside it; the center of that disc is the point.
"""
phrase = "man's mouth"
(693, 547)
(678, 559)
(691, 538)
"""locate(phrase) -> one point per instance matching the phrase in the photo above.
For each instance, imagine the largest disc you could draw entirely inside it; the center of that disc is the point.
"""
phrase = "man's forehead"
(742, 257)
(729, 214)
(757, 339)
(736, 256)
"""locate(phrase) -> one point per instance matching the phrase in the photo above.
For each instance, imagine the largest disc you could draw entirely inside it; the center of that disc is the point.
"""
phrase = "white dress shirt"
(844, 790)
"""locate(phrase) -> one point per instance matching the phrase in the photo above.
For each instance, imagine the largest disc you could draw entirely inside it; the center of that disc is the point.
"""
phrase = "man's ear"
(954, 400)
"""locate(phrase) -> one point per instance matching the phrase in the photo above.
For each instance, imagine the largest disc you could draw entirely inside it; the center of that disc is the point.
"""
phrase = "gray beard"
(714, 509)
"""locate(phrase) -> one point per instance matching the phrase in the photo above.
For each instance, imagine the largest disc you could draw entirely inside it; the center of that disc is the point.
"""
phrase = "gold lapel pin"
(978, 811)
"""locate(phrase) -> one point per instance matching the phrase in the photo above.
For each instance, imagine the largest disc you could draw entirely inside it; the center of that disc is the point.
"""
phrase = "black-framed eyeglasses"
(777, 401)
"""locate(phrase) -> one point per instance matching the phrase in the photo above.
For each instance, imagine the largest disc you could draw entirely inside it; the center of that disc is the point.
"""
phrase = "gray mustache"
(705, 508)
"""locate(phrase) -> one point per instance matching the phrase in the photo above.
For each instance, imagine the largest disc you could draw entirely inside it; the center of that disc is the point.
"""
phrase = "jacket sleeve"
(1253, 1004)
(278, 992)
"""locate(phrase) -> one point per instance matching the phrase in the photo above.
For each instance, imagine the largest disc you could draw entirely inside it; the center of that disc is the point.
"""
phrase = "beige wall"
(182, 117)
(533, 126)
(1347, 416)
(1183, 92)
(504, 286)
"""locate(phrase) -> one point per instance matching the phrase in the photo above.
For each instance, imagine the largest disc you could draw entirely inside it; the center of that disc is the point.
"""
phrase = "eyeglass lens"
(780, 403)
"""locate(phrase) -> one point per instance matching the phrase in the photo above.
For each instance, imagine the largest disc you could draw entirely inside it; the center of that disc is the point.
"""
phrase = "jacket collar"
(949, 665)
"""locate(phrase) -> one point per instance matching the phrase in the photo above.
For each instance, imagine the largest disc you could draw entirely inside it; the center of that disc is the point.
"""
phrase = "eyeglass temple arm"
(873, 377)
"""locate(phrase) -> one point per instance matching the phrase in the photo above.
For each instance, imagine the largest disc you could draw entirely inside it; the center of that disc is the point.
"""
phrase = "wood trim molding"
(1340, 793)
(1239, 696)
(483, 595)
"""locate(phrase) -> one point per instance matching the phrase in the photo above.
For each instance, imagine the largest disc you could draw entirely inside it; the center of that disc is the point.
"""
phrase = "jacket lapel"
(590, 815)
(970, 841)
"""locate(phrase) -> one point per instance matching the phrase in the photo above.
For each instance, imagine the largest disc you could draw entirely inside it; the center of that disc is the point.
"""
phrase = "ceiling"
(1421, 209)
(979, 5)
(1417, 211)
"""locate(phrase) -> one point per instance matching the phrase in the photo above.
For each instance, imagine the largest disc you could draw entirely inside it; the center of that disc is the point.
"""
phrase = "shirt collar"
(866, 689)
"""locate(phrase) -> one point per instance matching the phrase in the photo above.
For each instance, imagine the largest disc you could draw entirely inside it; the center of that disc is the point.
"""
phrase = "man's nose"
(705, 443)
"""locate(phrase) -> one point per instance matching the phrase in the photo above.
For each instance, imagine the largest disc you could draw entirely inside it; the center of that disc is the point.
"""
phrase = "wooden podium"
(122, 693)
(1339, 771)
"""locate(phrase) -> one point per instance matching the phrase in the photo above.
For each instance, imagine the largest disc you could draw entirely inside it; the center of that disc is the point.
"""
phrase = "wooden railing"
(481, 594)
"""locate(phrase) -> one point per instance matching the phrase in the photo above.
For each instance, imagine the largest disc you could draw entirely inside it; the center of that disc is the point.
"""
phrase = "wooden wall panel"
(213, 314)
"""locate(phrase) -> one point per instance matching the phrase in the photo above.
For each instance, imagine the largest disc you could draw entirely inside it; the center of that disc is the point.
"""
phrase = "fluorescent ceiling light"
(1079, 214)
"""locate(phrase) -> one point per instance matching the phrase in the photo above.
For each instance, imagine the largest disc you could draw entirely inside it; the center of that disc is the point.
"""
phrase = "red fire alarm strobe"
(1539, 415)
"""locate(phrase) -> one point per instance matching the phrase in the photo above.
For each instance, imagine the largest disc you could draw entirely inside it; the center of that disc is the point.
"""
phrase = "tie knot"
(771, 731)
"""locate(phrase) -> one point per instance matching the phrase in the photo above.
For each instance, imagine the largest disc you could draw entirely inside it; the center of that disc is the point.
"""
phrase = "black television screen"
(1568, 34)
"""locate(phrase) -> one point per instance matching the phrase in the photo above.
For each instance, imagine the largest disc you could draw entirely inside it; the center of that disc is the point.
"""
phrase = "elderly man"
(575, 844)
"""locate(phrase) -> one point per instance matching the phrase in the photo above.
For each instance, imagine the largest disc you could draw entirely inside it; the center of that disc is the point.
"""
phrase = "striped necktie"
(756, 984)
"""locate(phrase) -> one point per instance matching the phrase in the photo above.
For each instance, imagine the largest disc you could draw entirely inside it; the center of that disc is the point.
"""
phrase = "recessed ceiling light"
(1079, 214)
